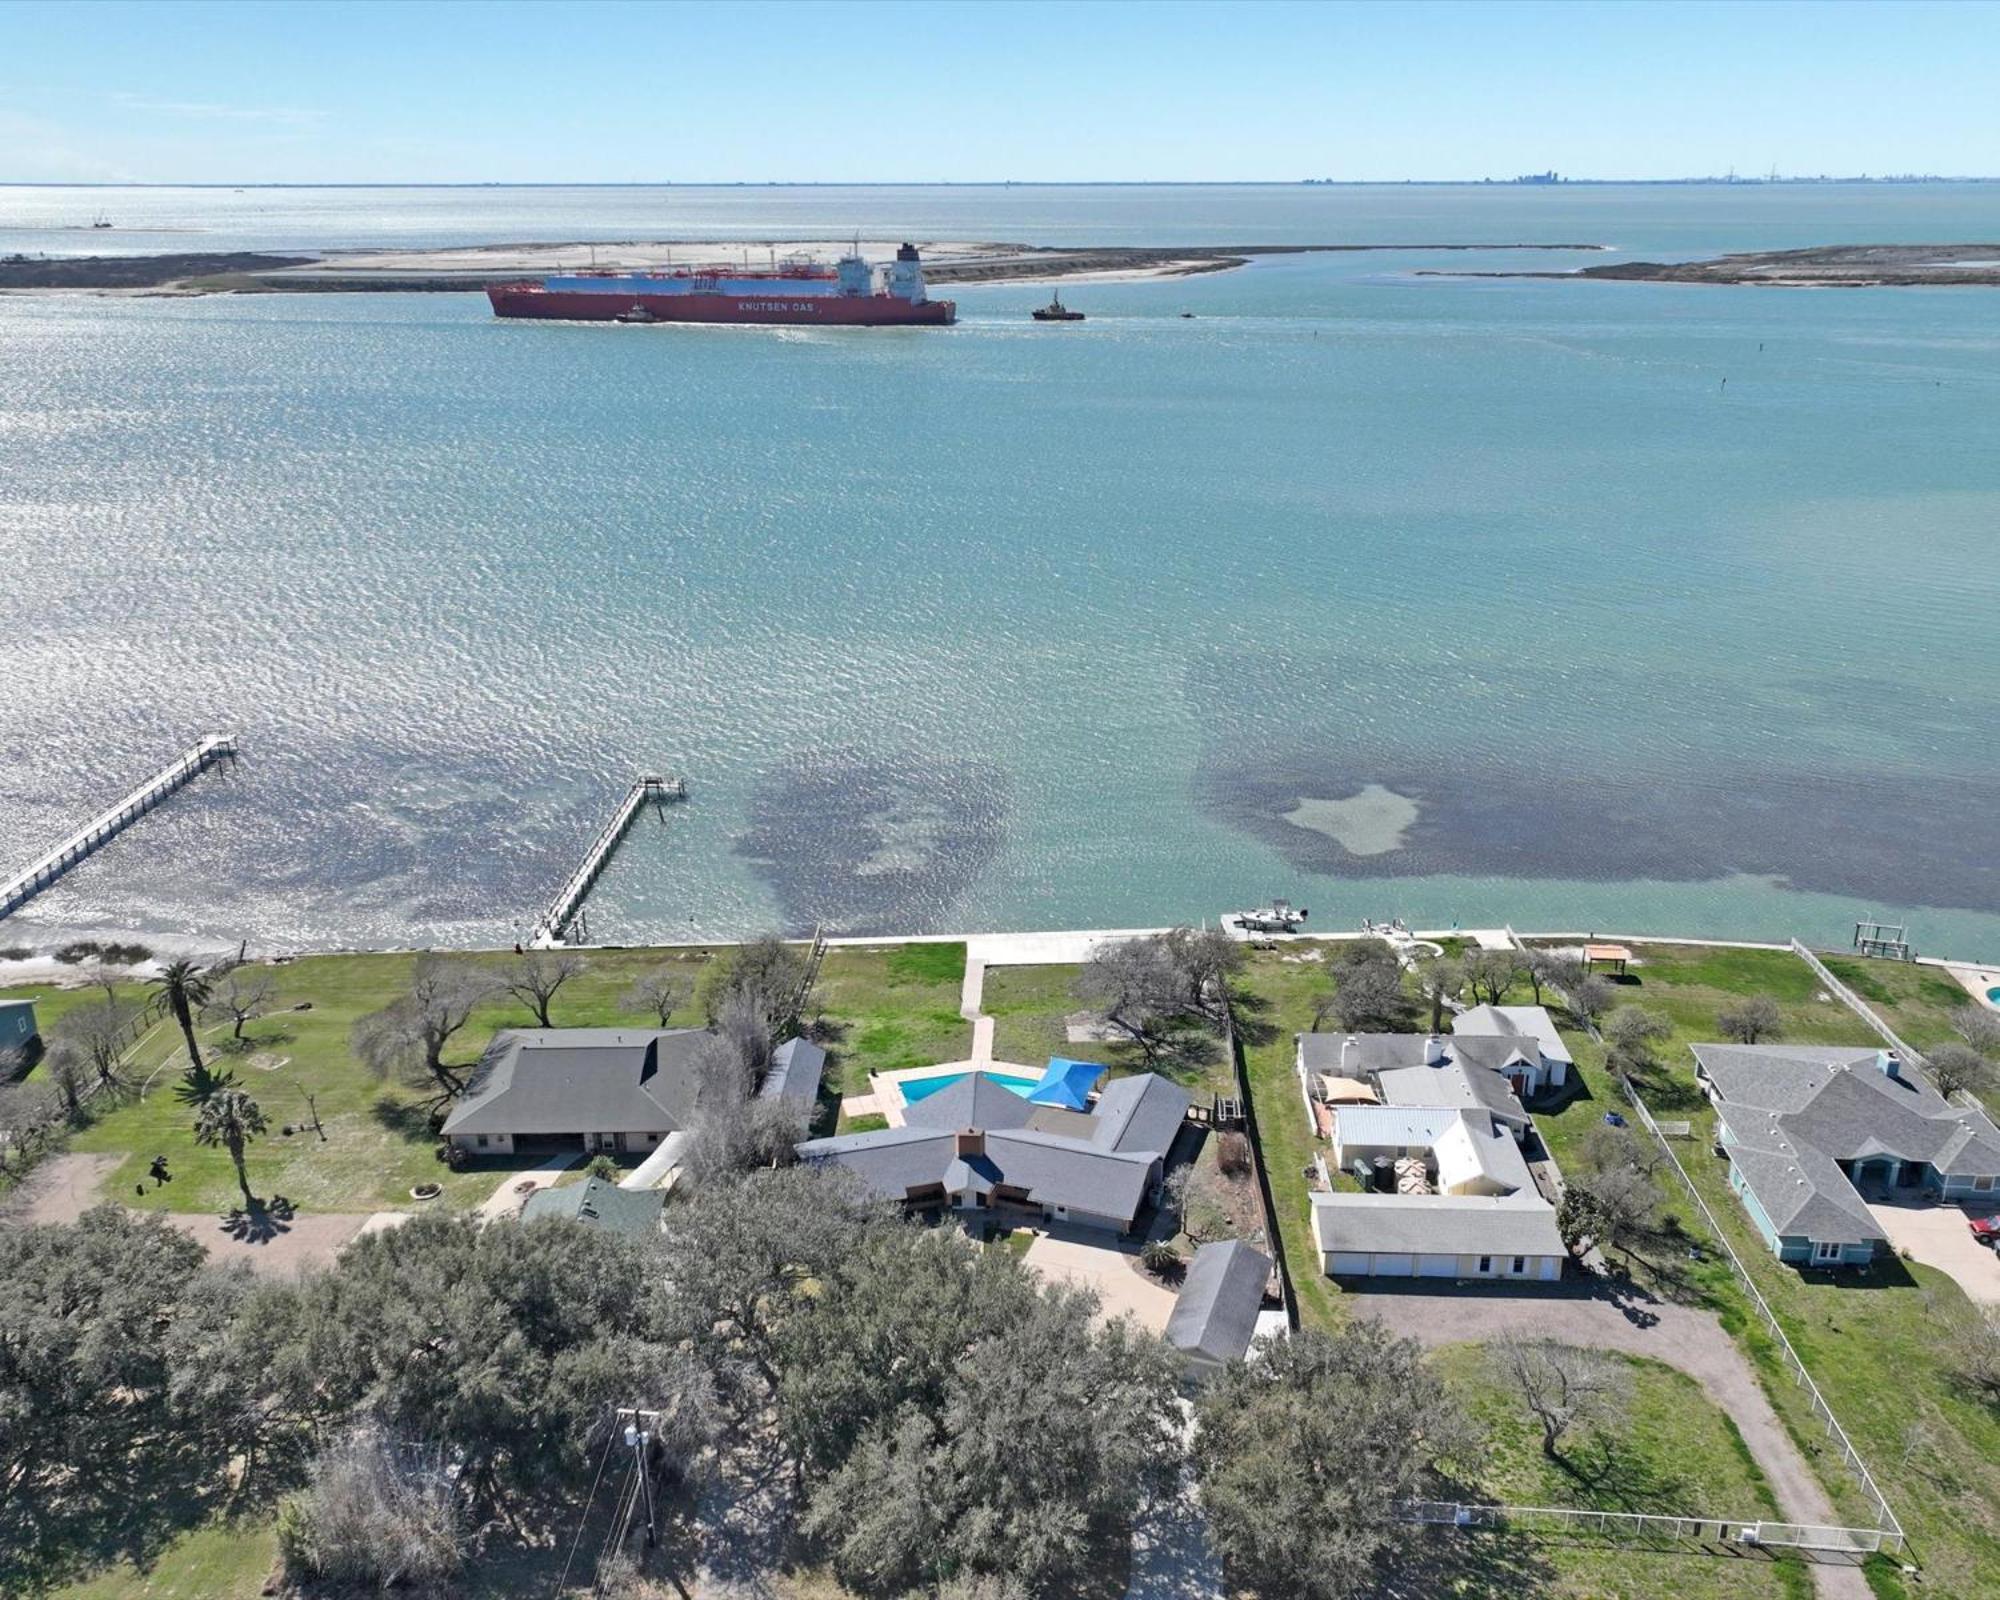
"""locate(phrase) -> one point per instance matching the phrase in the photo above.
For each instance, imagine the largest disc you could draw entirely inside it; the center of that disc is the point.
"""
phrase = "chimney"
(968, 1143)
(1888, 1062)
(1346, 1050)
(1434, 1051)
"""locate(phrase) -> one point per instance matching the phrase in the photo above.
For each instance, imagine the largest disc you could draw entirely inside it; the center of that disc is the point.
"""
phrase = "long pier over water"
(24, 885)
(565, 908)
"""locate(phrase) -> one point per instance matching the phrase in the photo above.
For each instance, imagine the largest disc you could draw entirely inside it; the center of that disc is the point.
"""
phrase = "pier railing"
(554, 923)
(24, 885)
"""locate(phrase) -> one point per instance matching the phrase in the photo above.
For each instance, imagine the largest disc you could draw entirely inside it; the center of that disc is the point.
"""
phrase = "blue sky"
(384, 91)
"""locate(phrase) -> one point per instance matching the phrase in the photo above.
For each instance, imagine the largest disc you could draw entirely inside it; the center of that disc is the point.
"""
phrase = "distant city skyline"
(262, 91)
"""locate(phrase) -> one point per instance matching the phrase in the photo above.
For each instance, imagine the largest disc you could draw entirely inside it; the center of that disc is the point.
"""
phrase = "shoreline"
(1052, 946)
(473, 268)
(1844, 266)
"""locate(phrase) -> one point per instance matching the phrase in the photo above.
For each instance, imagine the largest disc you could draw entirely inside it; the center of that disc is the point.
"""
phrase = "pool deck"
(1977, 981)
(885, 1097)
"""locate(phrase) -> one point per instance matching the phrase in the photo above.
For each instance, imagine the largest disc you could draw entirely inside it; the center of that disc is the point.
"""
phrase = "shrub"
(374, 1515)
(1232, 1155)
(1160, 1258)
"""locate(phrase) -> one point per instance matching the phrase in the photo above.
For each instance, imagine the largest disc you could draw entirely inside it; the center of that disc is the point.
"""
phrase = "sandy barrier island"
(1836, 266)
(474, 267)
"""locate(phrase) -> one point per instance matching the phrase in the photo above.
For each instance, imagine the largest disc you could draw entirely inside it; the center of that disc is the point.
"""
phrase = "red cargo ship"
(791, 293)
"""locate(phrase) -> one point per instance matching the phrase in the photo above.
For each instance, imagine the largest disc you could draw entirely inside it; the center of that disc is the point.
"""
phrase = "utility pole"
(640, 1429)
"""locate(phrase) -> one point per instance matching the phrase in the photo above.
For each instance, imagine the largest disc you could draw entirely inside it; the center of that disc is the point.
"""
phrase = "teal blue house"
(1814, 1134)
(20, 1037)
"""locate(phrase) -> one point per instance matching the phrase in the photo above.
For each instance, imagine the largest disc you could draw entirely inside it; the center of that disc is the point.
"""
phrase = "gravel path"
(1681, 1337)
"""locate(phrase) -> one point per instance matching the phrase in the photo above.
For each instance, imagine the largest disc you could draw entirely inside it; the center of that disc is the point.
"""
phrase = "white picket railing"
(1891, 1530)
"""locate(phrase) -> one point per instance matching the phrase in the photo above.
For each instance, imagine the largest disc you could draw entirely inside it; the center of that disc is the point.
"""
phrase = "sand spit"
(1843, 266)
(474, 267)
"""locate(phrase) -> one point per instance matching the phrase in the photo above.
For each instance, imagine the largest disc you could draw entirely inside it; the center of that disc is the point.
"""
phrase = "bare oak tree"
(1564, 1388)
(98, 1034)
(535, 977)
(1491, 973)
(240, 995)
(409, 1034)
(660, 991)
(1957, 1066)
(1750, 1020)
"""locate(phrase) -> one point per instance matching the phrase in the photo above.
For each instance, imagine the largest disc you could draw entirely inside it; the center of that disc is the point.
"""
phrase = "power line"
(584, 1520)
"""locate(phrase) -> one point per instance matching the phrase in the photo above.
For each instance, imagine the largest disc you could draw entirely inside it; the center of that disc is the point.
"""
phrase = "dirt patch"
(281, 1248)
(60, 1189)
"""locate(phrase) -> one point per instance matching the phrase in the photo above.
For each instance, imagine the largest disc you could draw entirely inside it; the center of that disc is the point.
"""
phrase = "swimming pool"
(915, 1089)
(1993, 994)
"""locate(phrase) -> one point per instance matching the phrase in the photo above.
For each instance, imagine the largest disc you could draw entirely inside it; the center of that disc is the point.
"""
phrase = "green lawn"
(1918, 1002)
(1030, 1008)
(1275, 999)
(216, 1561)
(378, 1141)
(892, 1007)
(1874, 1343)
(1672, 1450)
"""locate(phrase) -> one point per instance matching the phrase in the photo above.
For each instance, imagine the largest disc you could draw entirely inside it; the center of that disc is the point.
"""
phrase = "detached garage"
(1510, 1238)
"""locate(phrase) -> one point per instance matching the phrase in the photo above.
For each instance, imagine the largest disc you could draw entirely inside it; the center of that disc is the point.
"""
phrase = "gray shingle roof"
(1139, 1113)
(1216, 1313)
(1353, 1054)
(634, 1211)
(975, 1101)
(1100, 1164)
(1447, 1224)
(1794, 1110)
(1521, 1022)
(796, 1066)
(580, 1080)
(1473, 1089)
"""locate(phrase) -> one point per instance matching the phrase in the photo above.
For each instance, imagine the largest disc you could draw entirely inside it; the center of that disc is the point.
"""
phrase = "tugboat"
(636, 312)
(1056, 311)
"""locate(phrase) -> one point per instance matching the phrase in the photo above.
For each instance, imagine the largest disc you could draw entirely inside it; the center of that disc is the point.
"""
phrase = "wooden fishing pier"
(24, 885)
(553, 925)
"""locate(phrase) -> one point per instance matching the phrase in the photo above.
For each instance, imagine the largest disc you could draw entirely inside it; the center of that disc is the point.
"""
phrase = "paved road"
(1677, 1335)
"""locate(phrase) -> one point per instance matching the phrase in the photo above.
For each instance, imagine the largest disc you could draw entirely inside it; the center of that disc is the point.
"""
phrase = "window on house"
(1520, 1265)
(482, 1141)
(1485, 1263)
(1982, 1185)
(1824, 1251)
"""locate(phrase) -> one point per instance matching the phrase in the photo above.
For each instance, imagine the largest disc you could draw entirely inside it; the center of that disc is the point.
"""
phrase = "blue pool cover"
(1066, 1083)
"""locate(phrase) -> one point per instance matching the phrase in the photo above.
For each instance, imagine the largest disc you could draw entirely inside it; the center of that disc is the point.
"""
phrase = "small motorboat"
(636, 313)
(1056, 311)
(1278, 917)
(1187, 316)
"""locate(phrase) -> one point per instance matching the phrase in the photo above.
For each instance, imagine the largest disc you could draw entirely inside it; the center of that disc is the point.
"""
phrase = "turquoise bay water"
(1014, 626)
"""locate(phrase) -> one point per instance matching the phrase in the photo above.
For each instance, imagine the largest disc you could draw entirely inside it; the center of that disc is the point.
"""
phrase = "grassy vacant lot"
(1918, 1002)
(1671, 1450)
(892, 1007)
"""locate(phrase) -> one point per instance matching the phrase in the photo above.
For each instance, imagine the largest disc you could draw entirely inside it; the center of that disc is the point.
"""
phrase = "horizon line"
(1886, 180)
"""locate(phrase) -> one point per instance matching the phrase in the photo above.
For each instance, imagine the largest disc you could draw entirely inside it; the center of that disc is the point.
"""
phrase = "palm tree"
(184, 989)
(230, 1118)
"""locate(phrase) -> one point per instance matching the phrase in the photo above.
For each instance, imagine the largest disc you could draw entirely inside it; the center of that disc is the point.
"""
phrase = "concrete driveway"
(1100, 1264)
(1937, 1236)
